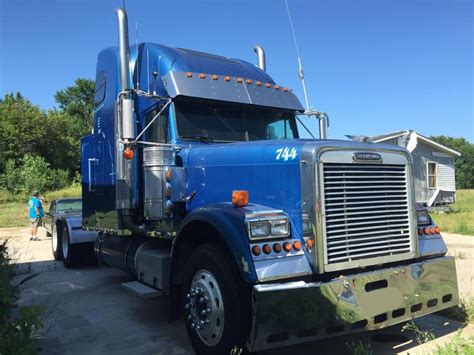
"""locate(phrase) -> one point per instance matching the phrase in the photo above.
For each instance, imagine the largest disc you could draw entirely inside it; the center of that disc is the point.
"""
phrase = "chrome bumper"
(296, 312)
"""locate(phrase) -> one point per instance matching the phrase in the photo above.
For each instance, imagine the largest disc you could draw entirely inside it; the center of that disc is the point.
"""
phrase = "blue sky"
(374, 66)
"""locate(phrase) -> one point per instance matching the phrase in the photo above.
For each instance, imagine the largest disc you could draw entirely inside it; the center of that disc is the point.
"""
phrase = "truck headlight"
(260, 229)
(272, 228)
(280, 228)
(423, 217)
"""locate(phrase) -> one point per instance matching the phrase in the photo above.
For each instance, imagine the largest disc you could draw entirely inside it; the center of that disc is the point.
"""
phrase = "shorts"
(36, 222)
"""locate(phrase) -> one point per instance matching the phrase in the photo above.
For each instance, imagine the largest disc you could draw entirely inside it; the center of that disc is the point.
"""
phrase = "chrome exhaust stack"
(125, 125)
(323, 125)
(126, 103)
(261, 57)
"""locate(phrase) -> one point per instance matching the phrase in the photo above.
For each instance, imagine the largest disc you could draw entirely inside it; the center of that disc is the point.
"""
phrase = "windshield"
(228, 122)
(72, 205)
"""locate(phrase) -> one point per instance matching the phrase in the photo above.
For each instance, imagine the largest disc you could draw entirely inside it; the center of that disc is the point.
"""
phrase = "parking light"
(267, 249)
(287, 247)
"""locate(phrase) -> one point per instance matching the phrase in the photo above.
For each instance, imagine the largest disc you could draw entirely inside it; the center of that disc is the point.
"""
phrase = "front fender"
(228, 221)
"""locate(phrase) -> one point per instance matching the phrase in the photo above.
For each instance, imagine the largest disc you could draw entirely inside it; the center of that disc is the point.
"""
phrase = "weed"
(421, 336)
(463, 313)
(457, 345)
(17, 331)
(360, 348)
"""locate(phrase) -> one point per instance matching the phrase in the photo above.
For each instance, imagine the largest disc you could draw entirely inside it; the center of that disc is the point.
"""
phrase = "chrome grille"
(367, 211)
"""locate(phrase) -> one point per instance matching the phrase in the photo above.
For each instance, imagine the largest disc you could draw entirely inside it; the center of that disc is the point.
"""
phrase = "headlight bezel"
(278, 227)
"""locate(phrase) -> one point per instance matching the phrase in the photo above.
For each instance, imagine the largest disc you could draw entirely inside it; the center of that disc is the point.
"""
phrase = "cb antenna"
(300, 66)
(321, 116)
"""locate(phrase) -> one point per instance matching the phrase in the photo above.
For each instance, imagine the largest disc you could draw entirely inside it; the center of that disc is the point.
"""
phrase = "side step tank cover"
(142, 290)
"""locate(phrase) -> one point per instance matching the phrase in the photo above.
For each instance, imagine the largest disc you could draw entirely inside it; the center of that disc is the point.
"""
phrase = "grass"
(461, 219)
(13, 211)
(458, 345)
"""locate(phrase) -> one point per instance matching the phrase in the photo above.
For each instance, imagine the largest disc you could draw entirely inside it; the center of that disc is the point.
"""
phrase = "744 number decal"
(286, 153)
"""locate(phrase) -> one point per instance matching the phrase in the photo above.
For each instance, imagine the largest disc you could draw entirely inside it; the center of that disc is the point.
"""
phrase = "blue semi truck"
(195, 179)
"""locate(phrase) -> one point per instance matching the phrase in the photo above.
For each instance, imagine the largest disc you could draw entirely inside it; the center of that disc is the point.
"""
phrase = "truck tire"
(216, 302)
(56, 243)
(77, 254)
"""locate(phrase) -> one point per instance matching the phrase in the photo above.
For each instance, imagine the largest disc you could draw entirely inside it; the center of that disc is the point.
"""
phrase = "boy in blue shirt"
(35, 213)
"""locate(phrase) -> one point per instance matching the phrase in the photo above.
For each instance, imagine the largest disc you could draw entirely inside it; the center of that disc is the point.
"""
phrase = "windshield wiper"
(203, 139)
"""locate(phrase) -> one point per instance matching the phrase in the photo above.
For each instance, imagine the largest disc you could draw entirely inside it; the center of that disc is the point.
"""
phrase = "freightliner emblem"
(364, 156)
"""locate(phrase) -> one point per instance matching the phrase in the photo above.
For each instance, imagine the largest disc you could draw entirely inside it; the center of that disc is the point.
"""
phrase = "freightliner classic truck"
(196, 181)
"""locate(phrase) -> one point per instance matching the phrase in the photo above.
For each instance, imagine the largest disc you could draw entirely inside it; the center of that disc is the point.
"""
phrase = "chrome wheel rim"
(54, 238)
(205, 307)
(65, 245)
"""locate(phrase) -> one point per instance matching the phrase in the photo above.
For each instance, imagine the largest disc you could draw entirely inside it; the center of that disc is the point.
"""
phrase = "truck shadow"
(87, 311)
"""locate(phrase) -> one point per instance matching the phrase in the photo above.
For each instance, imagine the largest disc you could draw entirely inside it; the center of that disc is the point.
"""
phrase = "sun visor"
(231, 89)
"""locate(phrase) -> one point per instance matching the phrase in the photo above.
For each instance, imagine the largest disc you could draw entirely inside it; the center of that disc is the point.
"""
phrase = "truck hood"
(267, 152)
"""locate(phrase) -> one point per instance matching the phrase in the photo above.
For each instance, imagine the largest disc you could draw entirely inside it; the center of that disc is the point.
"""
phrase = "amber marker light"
(287, 247)
(297, 245)
(189, 74)
(276, 87)
(169, 175)
(437, 230)
(285, 89)
(277, 247)
(420, 231)
(258, 83)
(215, 77)
(227, 78)
(128, 153)
(267, 249)
(309, 244)
(248, 81)
(239, 80)
(268, 85)
(240, 198)
(202, 76)
(426, 230)
(256, 250)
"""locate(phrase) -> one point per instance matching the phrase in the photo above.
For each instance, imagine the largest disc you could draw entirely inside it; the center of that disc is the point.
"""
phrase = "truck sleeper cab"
(197, 182)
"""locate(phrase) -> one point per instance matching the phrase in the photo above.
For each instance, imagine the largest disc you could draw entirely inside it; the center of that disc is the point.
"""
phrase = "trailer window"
(232, 122)
(431, 166)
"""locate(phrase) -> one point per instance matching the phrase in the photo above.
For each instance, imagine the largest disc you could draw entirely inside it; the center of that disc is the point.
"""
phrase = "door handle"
(89, 161)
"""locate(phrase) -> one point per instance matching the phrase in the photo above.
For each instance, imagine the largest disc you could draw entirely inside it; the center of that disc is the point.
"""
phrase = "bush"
(458, 345)
(17, 334)
(33, 173)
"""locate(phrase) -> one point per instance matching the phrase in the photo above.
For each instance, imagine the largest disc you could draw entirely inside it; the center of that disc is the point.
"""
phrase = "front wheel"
(216, 302)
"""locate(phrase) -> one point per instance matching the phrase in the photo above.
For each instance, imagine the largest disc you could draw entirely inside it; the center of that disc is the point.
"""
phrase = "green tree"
(62, 136)
(78, 100)
(22, 127)
(464, 164)
(32, 173)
